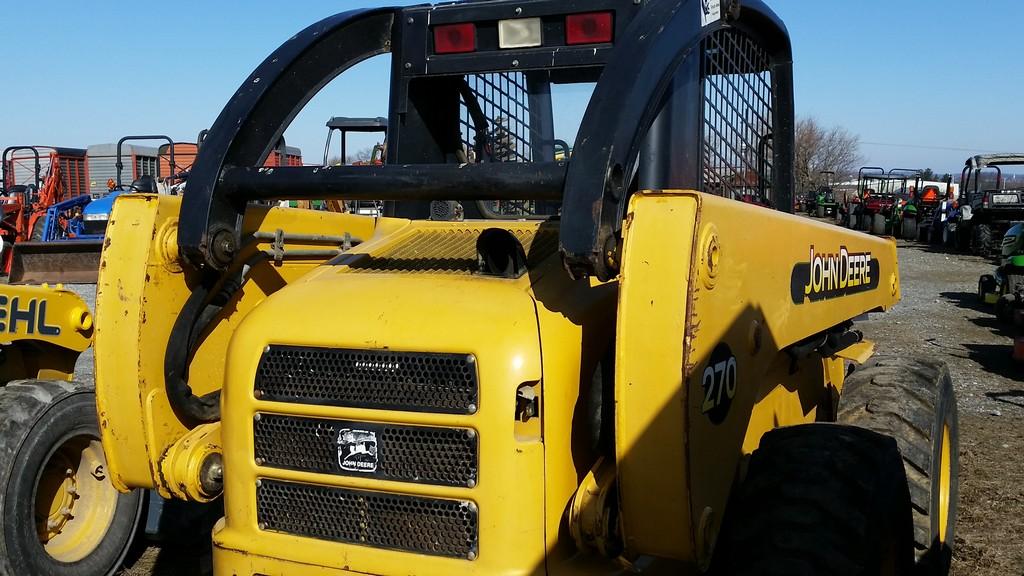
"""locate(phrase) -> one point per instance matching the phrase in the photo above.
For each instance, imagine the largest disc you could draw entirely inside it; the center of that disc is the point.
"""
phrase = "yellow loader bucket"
(68, 261)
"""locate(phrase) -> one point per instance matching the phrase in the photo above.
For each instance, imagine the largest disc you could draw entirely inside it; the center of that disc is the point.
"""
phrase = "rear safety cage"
(639, 130)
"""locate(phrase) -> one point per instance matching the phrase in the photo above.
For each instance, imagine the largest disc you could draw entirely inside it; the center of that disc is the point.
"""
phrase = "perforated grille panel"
(737, 117)
(376, 379)
(451, 251)
(424, 525)
(420, 454)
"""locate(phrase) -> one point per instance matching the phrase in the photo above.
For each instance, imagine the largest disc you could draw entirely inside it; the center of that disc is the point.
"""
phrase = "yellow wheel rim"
(74, 500)
(945, 479)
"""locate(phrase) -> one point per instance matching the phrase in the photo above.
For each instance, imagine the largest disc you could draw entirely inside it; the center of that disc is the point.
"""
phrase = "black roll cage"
(120, 145)
(345, 125)
(652, 38)
(7, 164)
(975, 165)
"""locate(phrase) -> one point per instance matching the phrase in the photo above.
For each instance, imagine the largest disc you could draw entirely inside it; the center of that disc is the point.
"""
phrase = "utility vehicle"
(986, 208)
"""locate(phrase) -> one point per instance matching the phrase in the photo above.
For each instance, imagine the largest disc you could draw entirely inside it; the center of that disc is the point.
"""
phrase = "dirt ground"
(939, 315)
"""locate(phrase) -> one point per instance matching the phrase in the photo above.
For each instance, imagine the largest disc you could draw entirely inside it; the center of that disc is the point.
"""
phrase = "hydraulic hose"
(194, 409)
(196, 315)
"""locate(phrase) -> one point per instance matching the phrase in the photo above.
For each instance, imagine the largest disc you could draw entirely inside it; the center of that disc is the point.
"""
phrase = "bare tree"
(363, 155)
(820, 149)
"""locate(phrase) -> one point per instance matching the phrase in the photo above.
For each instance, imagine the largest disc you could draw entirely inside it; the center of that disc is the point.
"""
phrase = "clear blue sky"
(905, 75)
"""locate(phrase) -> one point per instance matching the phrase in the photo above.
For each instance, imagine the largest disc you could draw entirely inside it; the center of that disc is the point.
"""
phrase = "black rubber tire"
(36, 417)
(1004, 308)
(908, 229)
(879, 225)
(986, 284)
(962, 237)
(912, 400)
(981, 240)
(819, 499)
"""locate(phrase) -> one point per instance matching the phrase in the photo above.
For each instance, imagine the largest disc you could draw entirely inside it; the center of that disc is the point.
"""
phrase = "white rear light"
(519, 33)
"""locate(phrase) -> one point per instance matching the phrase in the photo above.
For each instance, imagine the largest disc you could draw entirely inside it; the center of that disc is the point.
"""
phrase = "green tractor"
(1005, 288)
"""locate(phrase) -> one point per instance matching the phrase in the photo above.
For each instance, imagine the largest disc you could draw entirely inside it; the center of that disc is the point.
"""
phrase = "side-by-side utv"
(986, 209)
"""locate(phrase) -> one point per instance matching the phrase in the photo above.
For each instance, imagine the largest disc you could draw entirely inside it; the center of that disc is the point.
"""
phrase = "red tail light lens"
(591, 28)
(455, 38)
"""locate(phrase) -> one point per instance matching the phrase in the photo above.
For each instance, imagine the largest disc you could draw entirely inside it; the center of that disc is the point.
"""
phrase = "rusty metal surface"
(71, 262)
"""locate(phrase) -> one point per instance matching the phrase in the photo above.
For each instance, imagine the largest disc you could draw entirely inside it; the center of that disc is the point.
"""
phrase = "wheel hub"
(74, 502)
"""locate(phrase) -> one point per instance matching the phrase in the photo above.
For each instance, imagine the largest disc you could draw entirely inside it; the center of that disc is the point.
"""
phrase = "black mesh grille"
(423, 525)
(376, 379)
(426, 455)
(503, 101)
(738, 123)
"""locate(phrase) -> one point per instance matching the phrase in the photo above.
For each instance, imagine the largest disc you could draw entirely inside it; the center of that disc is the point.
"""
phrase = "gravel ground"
(939, 315)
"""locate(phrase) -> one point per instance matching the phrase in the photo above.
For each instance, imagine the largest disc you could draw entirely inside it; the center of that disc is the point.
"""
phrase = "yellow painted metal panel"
(650, 397)
(43, 330)
(493, 319)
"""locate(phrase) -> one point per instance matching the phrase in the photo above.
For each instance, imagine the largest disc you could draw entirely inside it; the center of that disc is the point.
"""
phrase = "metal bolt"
(471, 483)
(472, 408)
(257, 417)
(408, 65)
(515, 63)
(471, 555)
(519, 11)
(411, 20)
(471, 434)
(260, 461)
(259, 483)
(471, 506)
(262, 525)
(266, 350)
(257, 393)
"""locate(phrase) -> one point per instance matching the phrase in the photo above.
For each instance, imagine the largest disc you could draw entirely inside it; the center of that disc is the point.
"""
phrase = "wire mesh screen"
(502, 98)
(737, 86)
(496, 127)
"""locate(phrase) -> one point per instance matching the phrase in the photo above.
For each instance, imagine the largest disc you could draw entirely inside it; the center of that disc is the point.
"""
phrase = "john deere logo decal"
(357, 450)
(832, 275)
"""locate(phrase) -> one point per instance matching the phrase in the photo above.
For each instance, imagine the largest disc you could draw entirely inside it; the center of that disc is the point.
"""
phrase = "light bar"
(519, 33)
(590, 28)
(455, 38)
